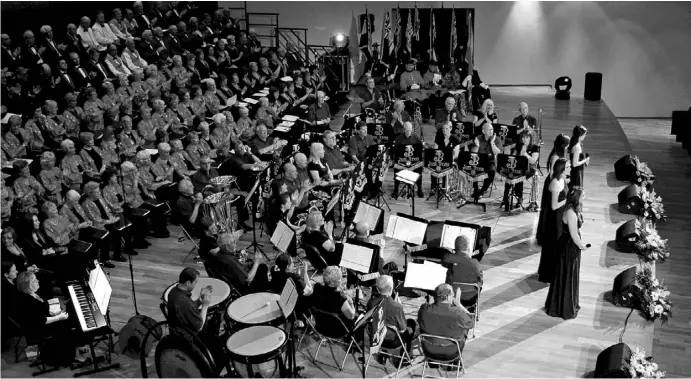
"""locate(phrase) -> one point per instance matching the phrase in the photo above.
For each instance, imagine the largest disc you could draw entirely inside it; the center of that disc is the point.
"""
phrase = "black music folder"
(465, 131)
(407, 228)
(438, 161)
(382, 133)
(511, 166)
(372, 215)
(473, 164)
(408, 156)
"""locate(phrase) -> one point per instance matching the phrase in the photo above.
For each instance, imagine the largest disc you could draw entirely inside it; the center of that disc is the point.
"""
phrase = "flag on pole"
(397, 32)
(386, 37)
(454, 37)
(433, 37)
(409, 32)
(416, 24)
(469, 50)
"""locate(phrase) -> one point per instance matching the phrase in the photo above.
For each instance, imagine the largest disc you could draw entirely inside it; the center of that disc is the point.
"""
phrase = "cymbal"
(355, 99)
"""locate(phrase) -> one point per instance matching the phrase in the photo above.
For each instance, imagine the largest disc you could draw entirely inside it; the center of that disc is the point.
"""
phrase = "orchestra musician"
(320, 173)
(486, 113)
(319, 235)
(397, 117)
(488, 144)
(359, 142)
(449, 114)
(371, 97)
(407, 138)
(446, 317)
(527, 149)
(261, 141)
(319, 114)
(333, 155)
(464, 269)
(241, 164)
(524, 120)
(448, 143)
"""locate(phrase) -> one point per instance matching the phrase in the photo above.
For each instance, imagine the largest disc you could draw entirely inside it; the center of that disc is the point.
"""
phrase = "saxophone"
(417, 124)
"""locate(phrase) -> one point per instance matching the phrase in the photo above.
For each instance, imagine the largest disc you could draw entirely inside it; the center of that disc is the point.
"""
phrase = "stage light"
(339, 40)
(563, 87)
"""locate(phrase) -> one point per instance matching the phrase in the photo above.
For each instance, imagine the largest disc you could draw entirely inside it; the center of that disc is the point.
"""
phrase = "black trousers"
(518, 187)
(487, 182)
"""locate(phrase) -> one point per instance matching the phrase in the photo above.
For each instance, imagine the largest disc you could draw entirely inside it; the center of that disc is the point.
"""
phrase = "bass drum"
(178, 357)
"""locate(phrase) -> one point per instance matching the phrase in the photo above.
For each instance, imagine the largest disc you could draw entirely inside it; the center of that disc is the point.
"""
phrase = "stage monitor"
(407, 228)
(359, 256)
(372, 215)
(100, 288)
(453, 229)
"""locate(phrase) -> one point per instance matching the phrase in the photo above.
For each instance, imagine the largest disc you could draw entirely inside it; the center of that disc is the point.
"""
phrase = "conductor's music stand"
(408, 157)
(514, 170)
(474, 167)
(377, 168)
(439, 162)
(409, 178)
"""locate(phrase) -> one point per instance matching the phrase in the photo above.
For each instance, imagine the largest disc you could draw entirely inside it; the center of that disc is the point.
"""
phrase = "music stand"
(377, 167)
(408, 157)
(284, 238)
(360, 257)
(474, 168)
(382, 133)
(409, 178)
(372, 215)
(439, 162)
(248, 201)
(514, 170)
(465, 132)
(506, 133)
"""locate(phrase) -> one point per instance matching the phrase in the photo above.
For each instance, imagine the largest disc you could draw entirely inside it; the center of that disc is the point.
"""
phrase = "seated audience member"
(241, 164)
(163, 167)
(33, 239)
(9, 289)
(73, 211)
(72, 166)
(91, 155)
(231, 269)
(205, 141)
(101, 217)
(446, 317)
(329, 297)
(13, 252)
(149, 182)
(12, 142)
(188, 208)
(464, 269)
(319, 235)
(181, 161)
(57, 228)
(51, 177)
(245, 125)
(26, 188)
(394, 315)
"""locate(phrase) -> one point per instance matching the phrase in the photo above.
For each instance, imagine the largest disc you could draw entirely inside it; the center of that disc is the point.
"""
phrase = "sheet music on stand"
(369, 214)
(406, 228)
(250, 100)
(450, 232)
(407, 176)
(358, 257)
(282, 237)
(100, 287)
(425, 276)
(288, 299)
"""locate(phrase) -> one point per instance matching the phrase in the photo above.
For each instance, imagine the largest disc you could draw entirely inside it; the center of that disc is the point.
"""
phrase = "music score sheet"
(357, 258)
(288, 299)
(406, 230)
(450, 232)
(282, 236)
(367, 213)
(425, 276)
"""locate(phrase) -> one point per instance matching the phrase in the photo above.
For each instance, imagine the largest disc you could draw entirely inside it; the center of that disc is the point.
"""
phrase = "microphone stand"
(255, 244)
(129, 251)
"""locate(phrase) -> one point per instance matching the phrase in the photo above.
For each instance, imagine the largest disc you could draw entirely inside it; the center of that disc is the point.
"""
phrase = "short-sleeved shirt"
(183, 311)
(394, 315)
(358, 146)
(245, 178)
(334, 157)
(279, 279)
(231, 269)
(445, 320)
(317, 113)
(201, 179)
(316, 239)
(329, 299)
(257, 144)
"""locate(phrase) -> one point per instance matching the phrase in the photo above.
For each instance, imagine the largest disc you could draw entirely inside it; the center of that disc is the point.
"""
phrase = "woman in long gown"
(558, 151)
(553, 226)
(578, 159)
(562, 298)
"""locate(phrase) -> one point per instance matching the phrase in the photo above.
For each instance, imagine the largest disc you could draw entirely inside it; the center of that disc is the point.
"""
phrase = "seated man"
(201, 180)
(228, 266)
(261, 141)
(333, 155)
(290, 185)
(188, 208)
(359, 142)
(240, 164)
(319, 114)
(489, 144)
(446, 317)
(371, 97)
(394, 315)
(407, 138)
(300, 161)
(464, 269)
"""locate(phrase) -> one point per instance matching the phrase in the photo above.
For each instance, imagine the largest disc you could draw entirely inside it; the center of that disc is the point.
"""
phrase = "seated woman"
(231, 269)
(329, 297)
(531, 152)
(319, 235)
(34, 240)
(11, 251)
(320, 173)
(280, 208)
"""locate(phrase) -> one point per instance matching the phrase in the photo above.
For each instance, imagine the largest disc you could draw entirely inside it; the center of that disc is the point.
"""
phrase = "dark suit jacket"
(101, 71)
(143, 25)
(148, 52)
(80, 80)
(8, 60)
(175, 45)
(65, 85)
(51, 54)
(27, 57)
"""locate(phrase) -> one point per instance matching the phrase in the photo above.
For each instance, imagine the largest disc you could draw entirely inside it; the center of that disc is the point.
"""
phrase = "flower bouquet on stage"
(652, 208)
(640, 366)
(649, 246)
(644, 175)
(653, 296)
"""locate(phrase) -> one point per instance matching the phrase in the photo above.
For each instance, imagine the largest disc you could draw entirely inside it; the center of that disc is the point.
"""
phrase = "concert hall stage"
(514, 337)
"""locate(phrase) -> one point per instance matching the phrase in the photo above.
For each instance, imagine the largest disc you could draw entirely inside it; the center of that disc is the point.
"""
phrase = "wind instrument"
(417, 123)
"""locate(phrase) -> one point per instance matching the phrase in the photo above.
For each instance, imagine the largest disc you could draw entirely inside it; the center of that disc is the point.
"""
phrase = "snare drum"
(256, 309)
(257, 351)
(220, 293)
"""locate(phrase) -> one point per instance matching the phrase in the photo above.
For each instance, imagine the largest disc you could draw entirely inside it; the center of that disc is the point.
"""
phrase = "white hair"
(45, 29)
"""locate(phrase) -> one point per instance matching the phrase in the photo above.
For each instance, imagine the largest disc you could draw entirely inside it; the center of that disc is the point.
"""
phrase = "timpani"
(256, 309)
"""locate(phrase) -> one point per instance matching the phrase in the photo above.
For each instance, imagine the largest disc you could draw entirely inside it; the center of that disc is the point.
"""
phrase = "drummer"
(372, 97)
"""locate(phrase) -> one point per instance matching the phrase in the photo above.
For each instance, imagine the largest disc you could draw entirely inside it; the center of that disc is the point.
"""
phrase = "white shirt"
(103, 34)
(133, 60)
(119, 31)
(116, 66)
(89, 39)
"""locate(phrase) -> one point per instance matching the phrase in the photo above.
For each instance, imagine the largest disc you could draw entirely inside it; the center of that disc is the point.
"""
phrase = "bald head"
(300, 160)
(72, 195)
(361, 229)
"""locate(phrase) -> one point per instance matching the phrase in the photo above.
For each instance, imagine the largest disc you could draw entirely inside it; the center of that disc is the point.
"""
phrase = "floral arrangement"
(652, 209)
(640, 366)
(653, 296)
(644, 175)
(649, 246)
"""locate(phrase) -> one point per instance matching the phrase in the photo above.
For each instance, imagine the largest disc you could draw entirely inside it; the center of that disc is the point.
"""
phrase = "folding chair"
(330, 329)
(383, 347)
(474, 309)
(439, 341)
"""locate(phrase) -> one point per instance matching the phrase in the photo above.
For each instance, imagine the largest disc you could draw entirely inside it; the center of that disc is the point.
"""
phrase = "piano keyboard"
(88, 314)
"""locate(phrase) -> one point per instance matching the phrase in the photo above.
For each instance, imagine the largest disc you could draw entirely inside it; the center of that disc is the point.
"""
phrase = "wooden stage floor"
(514, 337)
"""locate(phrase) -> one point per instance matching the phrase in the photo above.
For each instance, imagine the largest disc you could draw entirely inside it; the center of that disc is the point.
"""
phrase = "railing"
(295, 36)
(242, 19)
(265, 24)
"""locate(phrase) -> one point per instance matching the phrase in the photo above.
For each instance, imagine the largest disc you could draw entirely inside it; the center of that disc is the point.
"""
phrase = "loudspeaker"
(685, 133)
(629, 201)
(678, 123)
(626, 235)
(593, 86)
(612, 362)
(624, 289)
(624, 169)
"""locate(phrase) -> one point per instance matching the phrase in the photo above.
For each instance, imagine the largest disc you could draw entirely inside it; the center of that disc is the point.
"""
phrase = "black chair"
(431, 340)
(32, 339)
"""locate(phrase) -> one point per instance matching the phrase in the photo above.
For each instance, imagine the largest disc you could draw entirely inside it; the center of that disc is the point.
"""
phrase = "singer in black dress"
(553, 226)
(562, 298)
(578, 159)
(558, 151)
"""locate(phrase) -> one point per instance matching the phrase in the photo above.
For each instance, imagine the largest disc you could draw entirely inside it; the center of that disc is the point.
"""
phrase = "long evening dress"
(577, 173)
(544, 206)
(562, 298)
(552, 231)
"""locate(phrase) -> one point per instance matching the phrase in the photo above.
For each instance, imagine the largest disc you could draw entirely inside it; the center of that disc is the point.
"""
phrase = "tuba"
(218, 207)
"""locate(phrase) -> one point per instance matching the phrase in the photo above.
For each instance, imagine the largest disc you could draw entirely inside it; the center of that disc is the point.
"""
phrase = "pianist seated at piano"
(34, 316)
(261, 142)
(463, 269)
(319, 114)
(525, 148)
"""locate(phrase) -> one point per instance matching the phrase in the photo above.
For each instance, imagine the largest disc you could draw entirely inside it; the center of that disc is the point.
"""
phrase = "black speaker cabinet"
(685, 133)
(593, 86)
(679, 122)
(626, 235)
(611, 362)
(624, 288)
(624, 169)
(629, 201)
